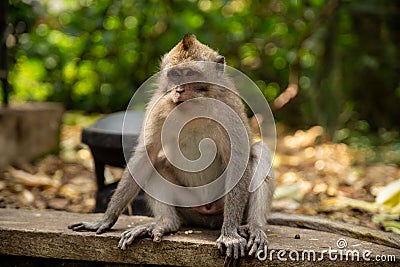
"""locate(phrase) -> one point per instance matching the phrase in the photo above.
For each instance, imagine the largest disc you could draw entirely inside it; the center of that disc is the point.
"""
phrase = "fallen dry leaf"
(28, 179)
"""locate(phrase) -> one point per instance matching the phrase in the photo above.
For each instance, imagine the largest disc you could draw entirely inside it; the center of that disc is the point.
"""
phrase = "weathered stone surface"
(44, 234)
(28, 131)
(316, 223)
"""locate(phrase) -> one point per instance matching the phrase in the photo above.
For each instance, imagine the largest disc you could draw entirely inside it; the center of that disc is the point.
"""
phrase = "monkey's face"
(185, 84)
(188, 91)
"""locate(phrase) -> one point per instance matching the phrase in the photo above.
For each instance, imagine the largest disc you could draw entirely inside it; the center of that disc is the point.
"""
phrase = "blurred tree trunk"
(3, 50)
(327, 98)
(377, 78)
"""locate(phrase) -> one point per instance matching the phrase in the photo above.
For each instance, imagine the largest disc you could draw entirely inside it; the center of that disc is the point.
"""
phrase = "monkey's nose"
(180, 89)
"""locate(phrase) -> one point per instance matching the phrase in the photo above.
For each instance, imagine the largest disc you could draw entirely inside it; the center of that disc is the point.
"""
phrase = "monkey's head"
(185, 66)
(189, 49)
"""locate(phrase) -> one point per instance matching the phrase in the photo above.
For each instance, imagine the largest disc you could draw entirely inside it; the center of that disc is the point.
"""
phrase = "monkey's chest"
(195, 157)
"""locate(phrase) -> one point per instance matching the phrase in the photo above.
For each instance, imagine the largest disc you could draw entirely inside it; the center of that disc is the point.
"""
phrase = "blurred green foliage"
(382, 146)
(93, 54)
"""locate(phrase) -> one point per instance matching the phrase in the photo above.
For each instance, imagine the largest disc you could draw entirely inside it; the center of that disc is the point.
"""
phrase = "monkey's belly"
(191, 217)
(193, 179)
(213, 208)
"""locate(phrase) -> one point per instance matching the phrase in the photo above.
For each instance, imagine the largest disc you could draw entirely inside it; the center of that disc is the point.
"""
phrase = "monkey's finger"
(236, 250)
(242, 250)
(79, 227)
(254, 249)
(229, 250)
(263, 246)
(122, 241)
(127, 238)
(250, 242)
(72, 226)
(102, 229)
(261, 241)
(126, 233)
(227, 261)
(257, 240)
(255, 246)
(220, 247)
(124, 237)
(121, 244)
(242, 231)
(130, 239)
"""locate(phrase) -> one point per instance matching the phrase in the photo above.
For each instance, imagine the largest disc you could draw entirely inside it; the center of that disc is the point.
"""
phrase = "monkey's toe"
(257, 239)
(234, 245)
(130, 235)
(157, 235)
(231, 262)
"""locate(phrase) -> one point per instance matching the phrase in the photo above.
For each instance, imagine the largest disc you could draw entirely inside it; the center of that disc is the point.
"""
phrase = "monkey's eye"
(174, 73)
(191, 73)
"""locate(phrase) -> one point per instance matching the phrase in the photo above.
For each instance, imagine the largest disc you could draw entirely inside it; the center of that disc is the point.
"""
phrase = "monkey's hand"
(257, 239)
(232, 243)
(154, 229)
(99, 227)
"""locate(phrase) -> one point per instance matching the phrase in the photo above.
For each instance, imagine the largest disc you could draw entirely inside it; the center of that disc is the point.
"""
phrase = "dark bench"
(104, 139)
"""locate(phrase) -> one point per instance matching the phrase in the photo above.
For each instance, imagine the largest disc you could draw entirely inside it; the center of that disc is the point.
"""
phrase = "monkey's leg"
(126, 191)
(259, 202)
(230, 240)
(259, 206)
(167, 221)
(234, 207)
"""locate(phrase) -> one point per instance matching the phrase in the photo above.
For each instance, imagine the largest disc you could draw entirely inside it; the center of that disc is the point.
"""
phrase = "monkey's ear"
(220, 66)
(188, 41)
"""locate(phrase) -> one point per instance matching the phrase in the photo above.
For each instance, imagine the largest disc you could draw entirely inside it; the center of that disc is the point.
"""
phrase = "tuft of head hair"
(187, 41)
(187, 50)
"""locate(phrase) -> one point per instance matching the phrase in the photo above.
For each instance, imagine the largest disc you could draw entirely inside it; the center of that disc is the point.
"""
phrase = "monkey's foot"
(233, 244)
(155, 230)
(99, 227)
(257, 239)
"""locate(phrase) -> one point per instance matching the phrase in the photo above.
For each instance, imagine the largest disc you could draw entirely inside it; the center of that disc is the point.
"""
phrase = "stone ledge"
(44, 235)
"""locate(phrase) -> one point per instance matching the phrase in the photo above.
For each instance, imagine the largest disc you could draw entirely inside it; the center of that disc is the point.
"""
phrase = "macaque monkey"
(240, 214)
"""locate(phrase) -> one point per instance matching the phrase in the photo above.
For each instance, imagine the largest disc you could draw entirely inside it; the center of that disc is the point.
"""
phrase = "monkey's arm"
(126, 191)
